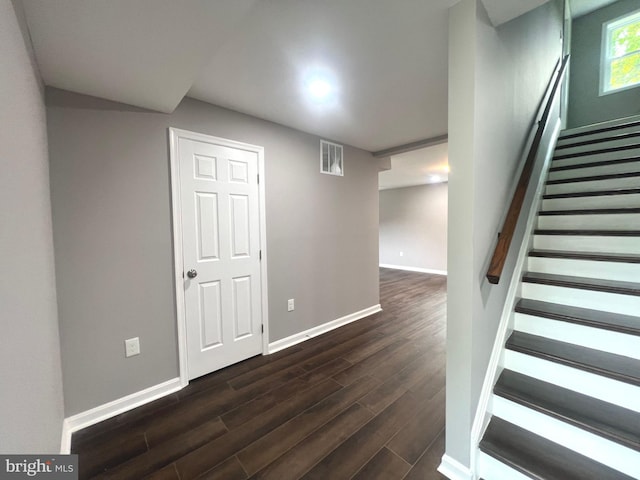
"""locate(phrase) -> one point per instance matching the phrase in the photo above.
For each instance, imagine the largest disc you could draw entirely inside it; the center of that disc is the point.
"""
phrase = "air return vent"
(331, 159)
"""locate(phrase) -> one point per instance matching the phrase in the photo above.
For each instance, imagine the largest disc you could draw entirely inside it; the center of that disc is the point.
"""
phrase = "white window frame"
(336, 148)
(606, 60)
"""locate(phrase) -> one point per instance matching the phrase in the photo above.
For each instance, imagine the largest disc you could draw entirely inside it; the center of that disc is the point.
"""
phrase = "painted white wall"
(112, 232)
(413, 220)
(31, 406)
(497, 78)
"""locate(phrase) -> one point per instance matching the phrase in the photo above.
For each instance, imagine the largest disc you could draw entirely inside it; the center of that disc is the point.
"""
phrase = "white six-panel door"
(220, 218)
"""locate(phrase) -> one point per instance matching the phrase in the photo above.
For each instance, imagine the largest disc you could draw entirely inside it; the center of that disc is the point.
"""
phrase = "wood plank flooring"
(365, 401)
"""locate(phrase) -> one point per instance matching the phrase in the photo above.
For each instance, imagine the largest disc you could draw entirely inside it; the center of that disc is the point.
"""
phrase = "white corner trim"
(65, 441)
(176, 234)
(453, 469)
(414, 269)
(116, 407)
(320, 329)
(493, 369)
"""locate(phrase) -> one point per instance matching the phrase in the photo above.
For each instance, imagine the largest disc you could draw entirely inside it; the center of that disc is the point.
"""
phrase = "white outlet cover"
(132, 347)
(290, 305)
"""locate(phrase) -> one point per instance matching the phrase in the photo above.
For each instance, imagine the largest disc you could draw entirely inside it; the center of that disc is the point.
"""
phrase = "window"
(331, 158)
(620, 67)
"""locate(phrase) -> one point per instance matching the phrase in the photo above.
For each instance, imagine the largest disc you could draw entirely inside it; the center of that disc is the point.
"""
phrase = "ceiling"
(419, 167)
(386, 60)
(583, 7)
(501, 12)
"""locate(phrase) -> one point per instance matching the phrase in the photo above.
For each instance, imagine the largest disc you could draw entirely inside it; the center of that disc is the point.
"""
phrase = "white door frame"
(178, 261)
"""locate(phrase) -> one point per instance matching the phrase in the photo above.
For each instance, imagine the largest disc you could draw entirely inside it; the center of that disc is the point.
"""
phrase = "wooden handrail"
(509, 226)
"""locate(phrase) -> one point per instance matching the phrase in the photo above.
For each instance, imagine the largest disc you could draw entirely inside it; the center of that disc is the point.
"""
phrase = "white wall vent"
(331, 159)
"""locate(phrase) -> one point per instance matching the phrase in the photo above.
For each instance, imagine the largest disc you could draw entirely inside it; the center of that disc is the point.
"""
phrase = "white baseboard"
(113, 408)
(454, 470)
(414, 269)
(320, 329)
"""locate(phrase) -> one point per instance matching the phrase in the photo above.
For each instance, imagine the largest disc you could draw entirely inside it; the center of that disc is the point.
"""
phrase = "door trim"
(176, 210)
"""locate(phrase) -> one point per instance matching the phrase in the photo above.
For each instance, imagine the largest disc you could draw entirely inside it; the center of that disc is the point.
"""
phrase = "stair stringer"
(505, 327)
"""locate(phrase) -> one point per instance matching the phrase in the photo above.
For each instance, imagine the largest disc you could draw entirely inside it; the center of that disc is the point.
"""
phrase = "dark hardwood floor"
(365, 401)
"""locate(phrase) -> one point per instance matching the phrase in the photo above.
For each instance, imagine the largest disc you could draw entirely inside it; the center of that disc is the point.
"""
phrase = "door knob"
(192, 273)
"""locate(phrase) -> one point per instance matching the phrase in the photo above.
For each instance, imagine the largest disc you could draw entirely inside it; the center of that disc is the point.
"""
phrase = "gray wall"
(112, 232)
(31, 408)
(585, 104)
(413, 220)
(497, 78)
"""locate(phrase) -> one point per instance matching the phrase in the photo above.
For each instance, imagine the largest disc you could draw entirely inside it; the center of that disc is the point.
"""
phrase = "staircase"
(567, 402)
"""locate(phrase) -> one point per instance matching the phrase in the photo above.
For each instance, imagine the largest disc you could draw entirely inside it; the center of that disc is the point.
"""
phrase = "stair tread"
(593, 178)
(593, 256)
(591, 211)
(603, 163)
(583, 283)
(610, 421)
(597, 130)
(617, 367)
(596, 233)
(597, 193)
(592, 141)
(540, 458)
(597, 151)
(594, 318)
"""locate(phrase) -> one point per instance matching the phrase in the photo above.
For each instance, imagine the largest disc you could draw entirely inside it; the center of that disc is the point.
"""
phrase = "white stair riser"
(592, 171)
(597, 448)
(592, 157)
(489, 468)
(588, 243)
(611, 143)
(622, 221)
(593, 185)
(607, 124)
(595, 136)
(589, 337)
(625, 272)
(596, 386)
(601, 201)
(608, 302)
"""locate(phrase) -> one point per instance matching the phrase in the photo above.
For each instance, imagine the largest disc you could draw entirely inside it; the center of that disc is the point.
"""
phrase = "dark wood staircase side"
(610, 421)
(616, 367)
(539, 458)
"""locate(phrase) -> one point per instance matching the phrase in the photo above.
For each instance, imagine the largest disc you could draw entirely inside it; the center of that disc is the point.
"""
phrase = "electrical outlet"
(132, 347)
(291, 305)
(402, 254)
